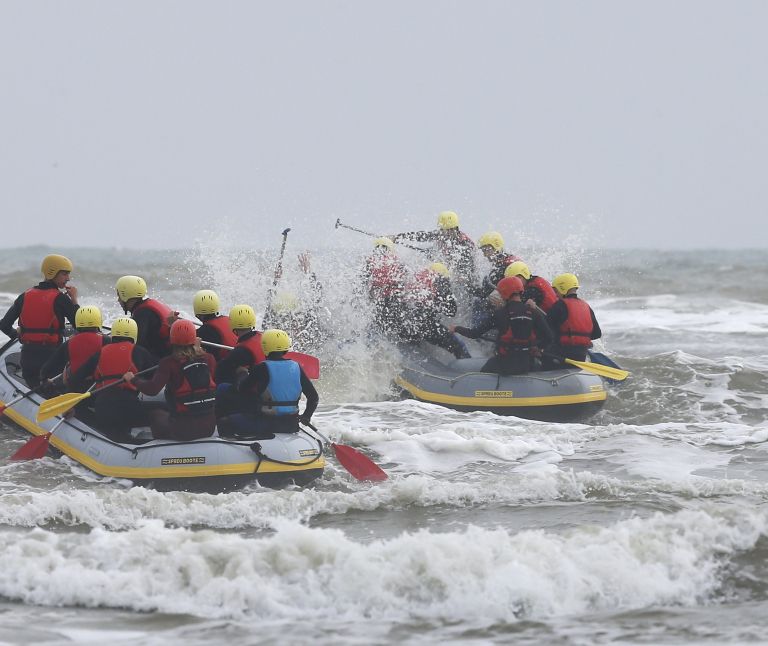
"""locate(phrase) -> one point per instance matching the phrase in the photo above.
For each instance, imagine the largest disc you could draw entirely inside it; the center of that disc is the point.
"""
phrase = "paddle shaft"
(118, 382)
(339, 223)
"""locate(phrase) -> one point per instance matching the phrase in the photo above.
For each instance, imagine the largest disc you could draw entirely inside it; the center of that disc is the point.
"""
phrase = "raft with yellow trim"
(211, 464)
(564, 395)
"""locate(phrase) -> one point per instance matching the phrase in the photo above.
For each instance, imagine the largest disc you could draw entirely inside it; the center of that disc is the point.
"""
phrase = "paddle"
(278, 270)
(360, 466)
(595, 368)
(34, 391)
(309, 364)
(37, 447)
(61, 404)
(339, 223)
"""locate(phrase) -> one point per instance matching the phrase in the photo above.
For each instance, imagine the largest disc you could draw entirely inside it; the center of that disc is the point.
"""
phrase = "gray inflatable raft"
(565, 395)
(211, 463)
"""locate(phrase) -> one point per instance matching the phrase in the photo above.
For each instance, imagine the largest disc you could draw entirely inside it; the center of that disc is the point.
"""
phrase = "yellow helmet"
(88, 316)
(285, 302)
(275, 341)
(439, 268)
(53, 264)
(564, 283)
(518, 268)
(206, 301)
(383, 241)
(129, 287)
(491, 239)
(125, 327)
(242, 317)
(448, 220)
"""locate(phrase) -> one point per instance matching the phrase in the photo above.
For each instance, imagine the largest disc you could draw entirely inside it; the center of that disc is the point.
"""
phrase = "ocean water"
(648, 524)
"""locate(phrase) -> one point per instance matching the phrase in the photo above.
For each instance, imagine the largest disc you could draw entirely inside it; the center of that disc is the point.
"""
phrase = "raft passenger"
(572, 320)
(271, 392)
(72, 354)
(187, 376)
(215, 327)
(538, 291)
(41, 311)
(117, 409)
(522, 332)
(152, 317)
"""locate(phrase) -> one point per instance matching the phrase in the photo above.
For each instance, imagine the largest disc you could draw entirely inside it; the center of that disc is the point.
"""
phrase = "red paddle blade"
(309, 364)
(359, 465)
(34, 449)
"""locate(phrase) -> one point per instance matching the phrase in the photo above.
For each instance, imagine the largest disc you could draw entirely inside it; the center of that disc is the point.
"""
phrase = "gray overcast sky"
(154, 122)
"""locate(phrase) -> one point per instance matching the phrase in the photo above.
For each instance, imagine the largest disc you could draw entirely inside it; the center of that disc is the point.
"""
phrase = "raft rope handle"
(453, 380)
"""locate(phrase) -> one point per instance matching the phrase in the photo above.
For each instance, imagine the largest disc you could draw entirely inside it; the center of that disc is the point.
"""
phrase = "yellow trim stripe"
(171, 471)
(500, 402)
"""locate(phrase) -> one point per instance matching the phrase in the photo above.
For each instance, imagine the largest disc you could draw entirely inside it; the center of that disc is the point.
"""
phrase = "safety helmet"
(448, 220)
(285, 302)
(275, 341)
(564, 283)
(183, 332)
(242, 317)
(439, 268)
(53, 264)
(491, 239)
(129, 287)
(206, 301)
(509, 286)
(383, 241)
(88, 316)
(125, 327)
(518, 268)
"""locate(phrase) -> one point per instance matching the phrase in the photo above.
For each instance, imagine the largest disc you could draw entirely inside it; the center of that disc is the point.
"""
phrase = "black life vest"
(197, 393)
(519, 335)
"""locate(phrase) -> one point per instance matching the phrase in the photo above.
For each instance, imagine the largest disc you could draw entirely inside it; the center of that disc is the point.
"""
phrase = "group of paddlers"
(534, 324)
(247, 385)
(244, 381)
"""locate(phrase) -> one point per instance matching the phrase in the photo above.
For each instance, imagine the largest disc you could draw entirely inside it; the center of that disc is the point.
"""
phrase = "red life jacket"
(163, 312)
(422, 289)
(253, 345)
(549, 297)
(114, 361)
(385, 275)
(519, 335)
(38, 322)
(577, 328)
(82, 347)
(228, 337)
(197, 393)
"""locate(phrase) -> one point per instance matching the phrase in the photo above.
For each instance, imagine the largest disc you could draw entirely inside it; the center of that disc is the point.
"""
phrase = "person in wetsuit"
(271, 391)
(118, 408)
(522, 332)
(41, 312)
(187, 376)
(537, 290)
(572, 320)
(152, 317)
(215, 327)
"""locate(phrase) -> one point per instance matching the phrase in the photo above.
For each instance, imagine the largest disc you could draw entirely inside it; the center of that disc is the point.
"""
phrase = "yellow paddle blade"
(58, 405)
(598, 369)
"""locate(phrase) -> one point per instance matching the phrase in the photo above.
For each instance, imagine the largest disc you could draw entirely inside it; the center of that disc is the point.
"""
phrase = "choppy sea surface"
(648, 524)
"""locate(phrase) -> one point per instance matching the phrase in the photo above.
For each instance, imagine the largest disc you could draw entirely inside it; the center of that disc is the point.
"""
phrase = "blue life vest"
(284, 390)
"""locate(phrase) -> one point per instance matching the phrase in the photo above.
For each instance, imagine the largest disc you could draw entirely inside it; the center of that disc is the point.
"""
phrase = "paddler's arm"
(159, 378)
(474, 333)
(417, 236)
(313, 399)
(6, 324)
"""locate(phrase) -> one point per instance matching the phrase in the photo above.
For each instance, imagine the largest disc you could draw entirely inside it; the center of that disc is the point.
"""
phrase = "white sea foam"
(303, 573)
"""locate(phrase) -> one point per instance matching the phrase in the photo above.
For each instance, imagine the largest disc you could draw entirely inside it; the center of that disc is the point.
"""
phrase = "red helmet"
(183, 333)
(509, 286)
